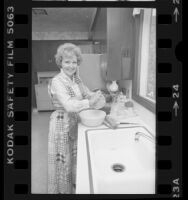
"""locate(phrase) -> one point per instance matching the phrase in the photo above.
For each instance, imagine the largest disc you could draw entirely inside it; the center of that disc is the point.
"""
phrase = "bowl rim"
(81, 115)
(91, 109)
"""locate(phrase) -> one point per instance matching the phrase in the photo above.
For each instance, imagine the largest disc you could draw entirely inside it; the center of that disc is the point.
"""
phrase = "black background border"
(172, 128)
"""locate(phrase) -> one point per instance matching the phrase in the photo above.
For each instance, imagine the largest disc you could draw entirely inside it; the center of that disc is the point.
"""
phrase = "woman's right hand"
(92, 101)
(95, 98)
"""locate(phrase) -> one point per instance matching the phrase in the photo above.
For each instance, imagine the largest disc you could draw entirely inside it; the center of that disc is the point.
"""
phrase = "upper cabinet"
(113, 37)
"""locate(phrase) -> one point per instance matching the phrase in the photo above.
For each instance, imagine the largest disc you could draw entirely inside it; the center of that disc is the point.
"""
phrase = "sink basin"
(118, 164)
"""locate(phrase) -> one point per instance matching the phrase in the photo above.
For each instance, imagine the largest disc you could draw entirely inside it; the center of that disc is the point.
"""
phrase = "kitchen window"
(144, 81)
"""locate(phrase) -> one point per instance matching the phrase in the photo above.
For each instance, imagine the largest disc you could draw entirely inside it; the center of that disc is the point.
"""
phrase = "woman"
(69, 96)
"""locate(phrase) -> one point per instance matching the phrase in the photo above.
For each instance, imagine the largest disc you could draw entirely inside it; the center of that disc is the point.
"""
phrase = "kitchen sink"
(118, 164)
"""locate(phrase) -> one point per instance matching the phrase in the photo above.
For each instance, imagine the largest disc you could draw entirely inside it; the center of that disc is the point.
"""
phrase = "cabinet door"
(42, 98)
(119, 43)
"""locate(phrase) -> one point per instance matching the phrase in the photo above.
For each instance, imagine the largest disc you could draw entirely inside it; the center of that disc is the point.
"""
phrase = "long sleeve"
(70, 104)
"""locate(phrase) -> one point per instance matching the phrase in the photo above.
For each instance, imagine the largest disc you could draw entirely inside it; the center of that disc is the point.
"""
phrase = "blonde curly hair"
(68, 49)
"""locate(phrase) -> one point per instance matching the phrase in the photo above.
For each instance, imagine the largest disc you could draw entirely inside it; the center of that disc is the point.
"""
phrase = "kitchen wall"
(119, 41)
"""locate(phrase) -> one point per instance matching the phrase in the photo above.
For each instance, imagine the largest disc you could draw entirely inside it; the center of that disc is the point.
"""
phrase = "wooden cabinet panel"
(42, 91)
(119, 43)
(44, 106)
(117, 38)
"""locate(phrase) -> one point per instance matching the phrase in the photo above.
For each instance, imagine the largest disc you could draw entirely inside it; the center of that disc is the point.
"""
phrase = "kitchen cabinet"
(43, 100)
(119, 41)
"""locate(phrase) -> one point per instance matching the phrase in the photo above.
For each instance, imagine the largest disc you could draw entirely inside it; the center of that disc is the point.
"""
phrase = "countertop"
(82, 179)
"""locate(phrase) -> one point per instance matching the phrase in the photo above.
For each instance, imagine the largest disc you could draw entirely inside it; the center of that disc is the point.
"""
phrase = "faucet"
(150, 138)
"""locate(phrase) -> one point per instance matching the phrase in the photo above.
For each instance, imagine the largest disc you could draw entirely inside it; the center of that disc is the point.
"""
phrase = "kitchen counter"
(82, 180)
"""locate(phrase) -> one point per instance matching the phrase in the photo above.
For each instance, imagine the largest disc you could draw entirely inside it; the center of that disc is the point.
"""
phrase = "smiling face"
(69, 65)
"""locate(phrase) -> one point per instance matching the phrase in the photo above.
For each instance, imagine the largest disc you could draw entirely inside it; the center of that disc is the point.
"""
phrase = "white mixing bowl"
(92, 117)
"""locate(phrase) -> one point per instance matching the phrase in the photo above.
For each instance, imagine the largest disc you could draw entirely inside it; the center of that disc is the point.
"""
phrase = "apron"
(62, 151)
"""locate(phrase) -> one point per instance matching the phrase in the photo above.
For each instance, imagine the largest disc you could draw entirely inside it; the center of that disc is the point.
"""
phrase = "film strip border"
(169, 105)
(17, 92)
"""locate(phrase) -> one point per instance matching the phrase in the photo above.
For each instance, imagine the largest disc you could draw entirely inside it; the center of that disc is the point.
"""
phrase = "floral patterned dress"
(69, 97)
